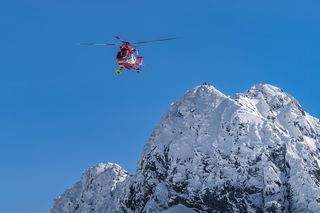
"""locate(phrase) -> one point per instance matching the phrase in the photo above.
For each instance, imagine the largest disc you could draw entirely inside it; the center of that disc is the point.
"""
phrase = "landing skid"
(119, 71)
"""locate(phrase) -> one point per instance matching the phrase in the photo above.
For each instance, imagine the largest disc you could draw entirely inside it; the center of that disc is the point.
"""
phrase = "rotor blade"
(96, 44)
(120, 39)
(144, 42)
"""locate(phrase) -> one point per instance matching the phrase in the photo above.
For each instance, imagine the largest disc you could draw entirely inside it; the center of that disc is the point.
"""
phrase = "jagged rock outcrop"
(97, 191)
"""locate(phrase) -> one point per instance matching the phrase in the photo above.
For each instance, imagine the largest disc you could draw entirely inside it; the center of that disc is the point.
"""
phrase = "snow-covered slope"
(178, 209)
(257, 151)
(97, 190)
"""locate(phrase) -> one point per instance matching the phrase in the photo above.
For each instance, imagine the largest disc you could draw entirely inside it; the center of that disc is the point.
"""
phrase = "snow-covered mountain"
(257, 151)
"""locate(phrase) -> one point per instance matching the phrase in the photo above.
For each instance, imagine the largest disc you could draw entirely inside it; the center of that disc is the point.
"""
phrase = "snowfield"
(256, 151)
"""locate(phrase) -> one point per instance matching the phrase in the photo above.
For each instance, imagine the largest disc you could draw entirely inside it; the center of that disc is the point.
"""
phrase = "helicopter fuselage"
(127, 58)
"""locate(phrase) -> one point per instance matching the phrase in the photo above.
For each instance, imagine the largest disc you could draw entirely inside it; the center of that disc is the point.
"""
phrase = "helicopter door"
(132, 59)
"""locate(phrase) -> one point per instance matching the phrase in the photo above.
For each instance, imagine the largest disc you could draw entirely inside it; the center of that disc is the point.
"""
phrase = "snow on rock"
(256, 151)
(178, 209)
(97, 191)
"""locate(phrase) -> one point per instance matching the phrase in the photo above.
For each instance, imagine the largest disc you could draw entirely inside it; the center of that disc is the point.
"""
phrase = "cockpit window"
(121, 54)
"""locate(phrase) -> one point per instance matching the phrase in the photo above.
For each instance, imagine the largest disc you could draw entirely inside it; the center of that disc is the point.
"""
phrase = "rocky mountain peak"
(256, 151)
(97, 188)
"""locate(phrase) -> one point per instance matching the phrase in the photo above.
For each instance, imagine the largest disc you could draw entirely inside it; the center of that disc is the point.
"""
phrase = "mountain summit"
(256, 151)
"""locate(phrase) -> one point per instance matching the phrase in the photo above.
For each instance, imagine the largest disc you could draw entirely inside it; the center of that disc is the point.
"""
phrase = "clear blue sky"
(63, 109)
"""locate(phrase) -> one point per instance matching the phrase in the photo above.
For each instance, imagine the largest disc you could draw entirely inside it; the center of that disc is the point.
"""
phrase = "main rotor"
(126, 43)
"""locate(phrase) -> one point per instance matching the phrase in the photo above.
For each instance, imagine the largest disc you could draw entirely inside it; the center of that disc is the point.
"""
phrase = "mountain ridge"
(256, 151)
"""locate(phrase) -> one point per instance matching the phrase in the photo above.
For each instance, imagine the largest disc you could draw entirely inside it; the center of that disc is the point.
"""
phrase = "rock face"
(254, 152)
(97, 190)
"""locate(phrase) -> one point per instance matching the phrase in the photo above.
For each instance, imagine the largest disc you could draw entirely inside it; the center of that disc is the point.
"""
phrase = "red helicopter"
(127, 56)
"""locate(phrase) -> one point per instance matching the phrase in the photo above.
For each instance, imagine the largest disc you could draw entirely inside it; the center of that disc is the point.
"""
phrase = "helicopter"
(127, 57)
